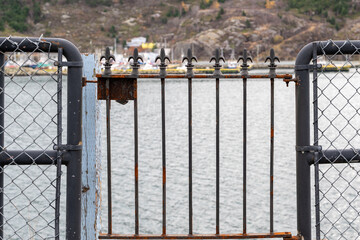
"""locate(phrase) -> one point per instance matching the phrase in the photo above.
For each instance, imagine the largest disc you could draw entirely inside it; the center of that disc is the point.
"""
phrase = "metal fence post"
(72, 150)
(2, 114)
(303, 188)
(91, 155)
(74, 138)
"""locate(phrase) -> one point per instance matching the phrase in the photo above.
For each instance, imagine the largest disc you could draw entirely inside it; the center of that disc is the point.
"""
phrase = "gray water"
(28, 188)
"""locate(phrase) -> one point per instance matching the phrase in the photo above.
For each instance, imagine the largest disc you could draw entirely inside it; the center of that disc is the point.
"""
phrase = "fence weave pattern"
(336, 127)
(32, 93)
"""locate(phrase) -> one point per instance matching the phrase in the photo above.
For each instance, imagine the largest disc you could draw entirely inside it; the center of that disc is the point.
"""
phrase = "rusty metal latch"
(68, 64)
(295, 80)
(84, 81)
(122, 89)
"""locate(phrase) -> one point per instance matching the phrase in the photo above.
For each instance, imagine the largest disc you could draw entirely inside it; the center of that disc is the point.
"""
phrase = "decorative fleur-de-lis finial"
(135, 65)
(272, 65)
(162, 57)
(245, 58)
(272, 58)
(189, 58)
(107, 63)
(217, 58)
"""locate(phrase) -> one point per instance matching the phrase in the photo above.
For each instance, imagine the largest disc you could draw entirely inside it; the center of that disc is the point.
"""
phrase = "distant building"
(148, 46)
(270, 4)
(136, 42)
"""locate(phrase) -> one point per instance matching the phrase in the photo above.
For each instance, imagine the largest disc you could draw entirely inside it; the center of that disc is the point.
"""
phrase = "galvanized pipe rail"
(68, 154)
(123, 88)
(308, 154)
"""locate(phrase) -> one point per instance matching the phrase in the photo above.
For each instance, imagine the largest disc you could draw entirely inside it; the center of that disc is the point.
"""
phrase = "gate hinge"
(68, 147)
(308, 67)
(295, 80)
(84, 81)
(304, 149)
(68, 64)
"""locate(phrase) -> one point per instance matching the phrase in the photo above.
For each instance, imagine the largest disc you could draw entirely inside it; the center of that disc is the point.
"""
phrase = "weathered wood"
(91, 154)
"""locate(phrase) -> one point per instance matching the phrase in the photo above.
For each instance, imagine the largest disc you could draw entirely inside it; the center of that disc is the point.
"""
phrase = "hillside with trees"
(230, 24)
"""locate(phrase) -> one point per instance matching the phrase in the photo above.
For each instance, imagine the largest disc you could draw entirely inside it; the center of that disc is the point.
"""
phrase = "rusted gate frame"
(71, 152)
(306, 154)
(123, 87)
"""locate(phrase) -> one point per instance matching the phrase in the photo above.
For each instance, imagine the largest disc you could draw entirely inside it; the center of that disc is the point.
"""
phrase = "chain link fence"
(336, 128)
(30, 124)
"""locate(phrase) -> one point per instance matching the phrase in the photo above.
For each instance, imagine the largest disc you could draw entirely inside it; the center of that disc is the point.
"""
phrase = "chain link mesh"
(337, 122)
(30, 192)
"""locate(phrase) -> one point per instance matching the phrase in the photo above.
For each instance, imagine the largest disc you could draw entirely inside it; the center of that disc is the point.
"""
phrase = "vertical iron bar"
(316, 143)
(59, 144)
(244, 153)
(2, 129)
(108, 138)
(190, 156)
(163, 153)
(136, 168)
(217, 158)
(272, 159)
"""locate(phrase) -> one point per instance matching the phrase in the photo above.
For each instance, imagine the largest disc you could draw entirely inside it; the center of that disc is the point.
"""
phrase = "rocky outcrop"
(232, 26)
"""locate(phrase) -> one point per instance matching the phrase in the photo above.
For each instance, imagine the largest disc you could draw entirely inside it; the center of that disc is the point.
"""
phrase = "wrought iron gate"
(123, 89)
(335, 150)
(31, 138)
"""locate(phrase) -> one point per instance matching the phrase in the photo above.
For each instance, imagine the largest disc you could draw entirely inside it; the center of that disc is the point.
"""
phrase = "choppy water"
(34, 202)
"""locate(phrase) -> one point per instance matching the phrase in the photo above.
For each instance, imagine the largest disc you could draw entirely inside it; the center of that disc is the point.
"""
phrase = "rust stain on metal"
(295, 80)
(279, 76)
(85, 189)
(293, 238)
(122, 89)
(284, 235)
(164, 175)
(83, 81)
(56, 43)
(136, 172)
